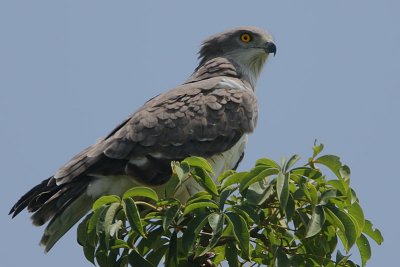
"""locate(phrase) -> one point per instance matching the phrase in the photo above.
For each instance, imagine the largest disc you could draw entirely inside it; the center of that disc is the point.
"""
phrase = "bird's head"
(246, 47)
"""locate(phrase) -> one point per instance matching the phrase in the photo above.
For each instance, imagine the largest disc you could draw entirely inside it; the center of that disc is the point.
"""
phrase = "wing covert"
(202, 121)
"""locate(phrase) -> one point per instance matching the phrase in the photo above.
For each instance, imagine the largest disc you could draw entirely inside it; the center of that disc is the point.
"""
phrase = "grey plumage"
(209, 115)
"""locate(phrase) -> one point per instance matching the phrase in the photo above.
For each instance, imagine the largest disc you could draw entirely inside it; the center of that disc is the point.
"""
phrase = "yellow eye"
(245, 37)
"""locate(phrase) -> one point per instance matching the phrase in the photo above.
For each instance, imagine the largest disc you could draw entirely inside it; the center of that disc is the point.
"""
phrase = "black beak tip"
(270, 47)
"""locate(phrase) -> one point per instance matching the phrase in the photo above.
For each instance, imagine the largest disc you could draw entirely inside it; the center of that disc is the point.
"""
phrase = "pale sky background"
(72, 70)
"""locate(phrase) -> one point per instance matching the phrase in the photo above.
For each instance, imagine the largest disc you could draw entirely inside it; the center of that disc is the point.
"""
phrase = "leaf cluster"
(272, 215)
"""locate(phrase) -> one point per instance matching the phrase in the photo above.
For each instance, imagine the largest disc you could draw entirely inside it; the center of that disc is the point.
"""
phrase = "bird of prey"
(209, 115)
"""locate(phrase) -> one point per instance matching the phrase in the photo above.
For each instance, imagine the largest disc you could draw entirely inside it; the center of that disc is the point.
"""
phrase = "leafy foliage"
(273, 215)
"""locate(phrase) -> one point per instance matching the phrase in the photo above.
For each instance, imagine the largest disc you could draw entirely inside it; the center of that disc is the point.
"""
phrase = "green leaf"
(112, 256)
(340, 258)
(141, 192)
(241, 213)
(105, 221)
(351, 195)
(101, 258)
(89, 252)
(290, 208)
(198, 197)
(357, 213)
(82, 232)
(135, 259)
(104, 200)
(156, 255)
(327, 195)
(316, 222)
(307, 172)
(155, 239)
(225, 194)
(252, 173)
(249, 211)
(171, 259)
(291, 162)
(350, 228)
(220, 255)
(192, 232)
(339, 185)
(345, 172)
(283, 161)
(92, 224)
(170, 215)
(333, 219)
(180, 169)
(240, 232)
(304, 216)
(332, 162)
(252, 177)
(257, 193)
(364, 248)
(119, 243)
(123, 260)
(88, 247)
(232, 255)
(349, 263)
(267, 162)
(172, 185)
(312, 193)
(281, 259)
(225, 175)
(235, 178)
(216, 222)
(375, 234)
(132, 213)
(303, 191)
(330, 237)
(199, 162)
(206, 181)
(282, 188)
(197, 205)
(317, 148)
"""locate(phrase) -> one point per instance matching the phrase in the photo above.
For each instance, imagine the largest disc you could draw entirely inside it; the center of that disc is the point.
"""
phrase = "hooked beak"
(270, 47)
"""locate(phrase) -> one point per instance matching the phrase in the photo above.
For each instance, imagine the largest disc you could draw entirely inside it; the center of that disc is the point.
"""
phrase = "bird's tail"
(63, 221)
(63, 205)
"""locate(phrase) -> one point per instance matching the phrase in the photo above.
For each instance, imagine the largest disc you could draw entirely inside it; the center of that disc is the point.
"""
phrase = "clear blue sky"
(71, 70)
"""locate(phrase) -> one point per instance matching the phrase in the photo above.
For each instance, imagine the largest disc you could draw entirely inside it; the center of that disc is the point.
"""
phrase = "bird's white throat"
(250, 63)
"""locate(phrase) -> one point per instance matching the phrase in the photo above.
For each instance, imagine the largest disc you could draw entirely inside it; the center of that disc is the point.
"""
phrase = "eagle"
(210, 115)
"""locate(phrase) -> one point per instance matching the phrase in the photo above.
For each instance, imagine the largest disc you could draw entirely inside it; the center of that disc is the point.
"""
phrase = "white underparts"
(228, 159)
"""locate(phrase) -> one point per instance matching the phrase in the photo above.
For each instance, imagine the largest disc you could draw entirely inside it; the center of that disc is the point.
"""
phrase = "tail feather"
(35, 198)
(57, 203)
(63, 205)
(63, 220)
